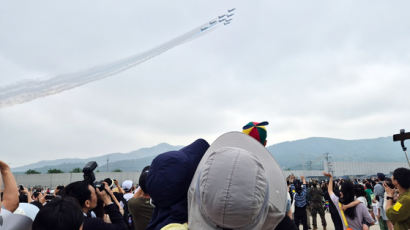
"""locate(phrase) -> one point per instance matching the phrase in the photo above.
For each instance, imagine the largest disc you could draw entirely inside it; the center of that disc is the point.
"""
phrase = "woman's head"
(347, 196)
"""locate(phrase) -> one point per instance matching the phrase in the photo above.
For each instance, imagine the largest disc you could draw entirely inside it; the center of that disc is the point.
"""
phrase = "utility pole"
(309, 165)
(328, 166)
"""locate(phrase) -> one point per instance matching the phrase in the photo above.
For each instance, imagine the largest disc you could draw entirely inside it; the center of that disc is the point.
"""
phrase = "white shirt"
(128, 196)
(362, 199)
(4, 212)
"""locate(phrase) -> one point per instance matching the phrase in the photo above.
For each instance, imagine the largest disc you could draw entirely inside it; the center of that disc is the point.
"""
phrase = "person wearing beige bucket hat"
(238, 185)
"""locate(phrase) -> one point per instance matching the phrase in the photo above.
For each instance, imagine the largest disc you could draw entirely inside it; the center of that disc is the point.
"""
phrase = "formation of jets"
(225, 18)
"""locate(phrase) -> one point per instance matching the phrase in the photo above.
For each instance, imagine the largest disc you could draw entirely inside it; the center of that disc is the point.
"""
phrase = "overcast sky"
(311, 68)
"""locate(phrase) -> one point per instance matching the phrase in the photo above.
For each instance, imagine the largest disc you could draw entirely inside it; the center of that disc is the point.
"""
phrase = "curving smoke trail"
(31, 89)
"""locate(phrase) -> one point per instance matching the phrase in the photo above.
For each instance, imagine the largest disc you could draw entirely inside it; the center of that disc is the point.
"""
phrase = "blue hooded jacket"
(168, 181)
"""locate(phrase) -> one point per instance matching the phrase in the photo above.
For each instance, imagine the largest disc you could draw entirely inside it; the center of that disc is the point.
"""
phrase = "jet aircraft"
(221, 16)
(221, 20)
(231, 10)
(212, 22)
(204, 28)
(230, 15)
(226, 23)
(228, 20)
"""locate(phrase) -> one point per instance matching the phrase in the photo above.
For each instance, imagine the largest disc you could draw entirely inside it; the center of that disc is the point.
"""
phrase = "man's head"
(257, 131)
(84, 193)
(381, 176)
(59, 189)
(23, 198)
(60, 213)
(401, 177)
(143, 178)
(127, 185)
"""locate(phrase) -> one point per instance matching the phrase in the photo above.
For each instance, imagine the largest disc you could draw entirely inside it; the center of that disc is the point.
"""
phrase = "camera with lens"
(49, 197)
(89, 176)
(36, 193)
(99, 185)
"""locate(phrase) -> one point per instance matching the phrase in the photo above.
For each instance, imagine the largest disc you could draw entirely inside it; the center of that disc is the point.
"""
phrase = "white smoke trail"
(31, 89)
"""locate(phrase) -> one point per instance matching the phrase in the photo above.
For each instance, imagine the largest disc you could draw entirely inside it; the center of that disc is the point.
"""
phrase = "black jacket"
(286, 224)
(99, 224)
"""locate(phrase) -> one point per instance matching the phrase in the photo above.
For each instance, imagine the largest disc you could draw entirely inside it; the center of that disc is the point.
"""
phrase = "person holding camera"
(38, 199)
(399, 213)
(379, 195)
(87, 197)
(24, 195)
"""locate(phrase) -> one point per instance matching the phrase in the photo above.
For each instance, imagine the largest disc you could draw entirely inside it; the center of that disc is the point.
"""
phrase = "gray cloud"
(310, 69)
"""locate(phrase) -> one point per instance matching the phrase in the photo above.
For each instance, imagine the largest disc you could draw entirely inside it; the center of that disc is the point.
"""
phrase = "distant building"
(350, 169)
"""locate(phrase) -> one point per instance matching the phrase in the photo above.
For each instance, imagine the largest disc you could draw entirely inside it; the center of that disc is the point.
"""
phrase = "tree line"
(55, 170)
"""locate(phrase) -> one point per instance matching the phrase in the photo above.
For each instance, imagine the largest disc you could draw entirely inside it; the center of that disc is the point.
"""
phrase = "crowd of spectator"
(234, 183)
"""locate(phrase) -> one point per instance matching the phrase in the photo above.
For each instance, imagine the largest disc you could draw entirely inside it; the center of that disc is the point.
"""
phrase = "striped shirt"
(300, 198)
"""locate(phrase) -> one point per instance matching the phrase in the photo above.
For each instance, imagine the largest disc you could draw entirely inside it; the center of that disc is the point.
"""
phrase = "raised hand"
(327, 174)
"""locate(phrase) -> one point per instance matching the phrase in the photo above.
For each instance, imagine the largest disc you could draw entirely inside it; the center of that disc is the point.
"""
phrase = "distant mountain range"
(296, 154)
(304, 153)
(140, 157)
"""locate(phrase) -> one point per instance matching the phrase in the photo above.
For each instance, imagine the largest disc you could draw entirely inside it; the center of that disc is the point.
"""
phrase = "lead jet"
(221, 16)
(231, 10)
(204, 28)
(212, 22)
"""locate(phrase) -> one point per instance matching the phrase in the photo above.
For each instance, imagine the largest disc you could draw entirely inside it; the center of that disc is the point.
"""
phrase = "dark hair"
(369, 186)
(359, 190)
(23, 198)
(402, 175)
(109, 182)
(60, 189)
(79, 190)
(381, 176)
(373, 184)
(60, 213)
(348, 196)
(298, 186)
(143, 177)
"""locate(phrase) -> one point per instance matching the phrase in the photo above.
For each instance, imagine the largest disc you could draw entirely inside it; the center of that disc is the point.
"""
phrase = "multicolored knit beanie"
(256, 130)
